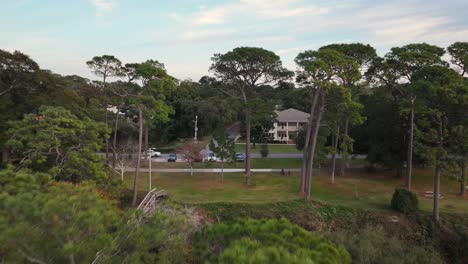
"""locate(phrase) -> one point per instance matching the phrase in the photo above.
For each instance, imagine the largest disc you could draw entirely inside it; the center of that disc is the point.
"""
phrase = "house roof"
(291, 115)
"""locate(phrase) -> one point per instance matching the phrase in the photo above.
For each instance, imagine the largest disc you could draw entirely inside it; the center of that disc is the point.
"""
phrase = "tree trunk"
(463, 178)
(107, 140)
(335, 149)
(140, 143)
(114, 140)
(314, 144)
(146, 137)
(149, 178)
(71, 258)
(435, 211)
(307, 140)
(344, 151)
(5, 155)
(247, 146)
(409, 158)
(222, 171)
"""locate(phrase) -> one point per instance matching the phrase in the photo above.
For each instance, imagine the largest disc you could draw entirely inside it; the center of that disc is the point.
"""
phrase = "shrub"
(264, 241)
(404, 201)
(372, 244)
(264, 150)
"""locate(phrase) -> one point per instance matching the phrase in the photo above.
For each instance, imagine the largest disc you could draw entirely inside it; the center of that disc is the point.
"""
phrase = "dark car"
(240, 157)
(172, 158)
(198, 158)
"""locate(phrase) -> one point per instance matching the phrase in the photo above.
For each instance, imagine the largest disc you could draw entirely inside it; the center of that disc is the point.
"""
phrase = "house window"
(282, 124)
(292, 124)
(301, 124)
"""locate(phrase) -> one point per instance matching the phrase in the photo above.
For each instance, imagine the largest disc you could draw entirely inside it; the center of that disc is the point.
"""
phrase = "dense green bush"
(404, 201)
(372, 244)
(264, 241)
(264, 150)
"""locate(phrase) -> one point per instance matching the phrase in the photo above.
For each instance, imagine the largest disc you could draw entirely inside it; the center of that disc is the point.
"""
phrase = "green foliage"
(13, 183)
(459, 53)
(105, 66)
(224, 148)
(404, 201)
(263, 241)
(63, 223)
(159, 238)
(264, 150)
(58, 142)
(299, 212)
(237, 66)
(371, 244)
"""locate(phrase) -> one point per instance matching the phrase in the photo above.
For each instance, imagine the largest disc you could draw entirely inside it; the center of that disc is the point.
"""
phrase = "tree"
(445, 98)
(397, 69)
(159, 238)
(150, 101)
(263, 118)
(105, 66)
(320, 70)
(263, 241)
(191, 153)
(223, 146)
(247, 68)
(124, 157)
(363, 55)
(58, 142)
(459, 56)
(342, 109)
(56, 223)
(24, 87)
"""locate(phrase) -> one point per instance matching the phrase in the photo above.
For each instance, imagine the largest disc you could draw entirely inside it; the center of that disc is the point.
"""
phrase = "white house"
(288, 122)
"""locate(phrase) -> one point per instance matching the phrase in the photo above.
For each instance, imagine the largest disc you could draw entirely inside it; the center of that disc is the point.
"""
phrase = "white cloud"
(255, 9)
(102, 6)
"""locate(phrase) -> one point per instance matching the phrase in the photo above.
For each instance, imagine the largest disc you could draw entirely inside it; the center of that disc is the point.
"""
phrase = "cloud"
(255, 8)
(102, 6)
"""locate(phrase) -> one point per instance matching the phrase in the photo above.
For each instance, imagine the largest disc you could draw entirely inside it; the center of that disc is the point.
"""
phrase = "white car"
(153, 152)
(212, 157)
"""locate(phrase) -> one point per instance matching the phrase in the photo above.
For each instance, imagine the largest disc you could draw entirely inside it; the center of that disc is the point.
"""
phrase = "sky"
(61, 35)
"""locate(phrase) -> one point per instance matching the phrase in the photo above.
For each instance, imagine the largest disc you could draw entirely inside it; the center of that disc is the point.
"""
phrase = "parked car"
(212, 157)
(172, 158)
(153, 152)
(240, 157)
(198, 158)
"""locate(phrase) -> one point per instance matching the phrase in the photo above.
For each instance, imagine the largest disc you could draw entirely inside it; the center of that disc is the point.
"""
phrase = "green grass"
(358, 189)
(273, 148)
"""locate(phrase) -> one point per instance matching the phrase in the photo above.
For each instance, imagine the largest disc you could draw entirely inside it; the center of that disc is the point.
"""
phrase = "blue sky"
(62, 35)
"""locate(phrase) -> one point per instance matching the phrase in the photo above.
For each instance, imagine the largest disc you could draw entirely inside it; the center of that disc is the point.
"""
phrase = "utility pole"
(150, 161)
(196, 129)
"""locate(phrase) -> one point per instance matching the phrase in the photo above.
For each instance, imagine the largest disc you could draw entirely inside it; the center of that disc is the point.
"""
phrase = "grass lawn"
(357, 190)
(273, 148)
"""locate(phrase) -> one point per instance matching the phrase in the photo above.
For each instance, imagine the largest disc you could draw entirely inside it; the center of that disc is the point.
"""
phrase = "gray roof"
(291, 115)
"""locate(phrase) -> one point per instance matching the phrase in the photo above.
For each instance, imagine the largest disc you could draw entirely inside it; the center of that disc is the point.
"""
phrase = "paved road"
(218, 170)
(164, 156)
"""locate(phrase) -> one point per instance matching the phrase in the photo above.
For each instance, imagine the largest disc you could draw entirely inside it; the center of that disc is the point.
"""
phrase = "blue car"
(172, 158)
(240, 157)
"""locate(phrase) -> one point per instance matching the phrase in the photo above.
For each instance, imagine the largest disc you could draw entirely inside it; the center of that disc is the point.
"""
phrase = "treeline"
(407, 107)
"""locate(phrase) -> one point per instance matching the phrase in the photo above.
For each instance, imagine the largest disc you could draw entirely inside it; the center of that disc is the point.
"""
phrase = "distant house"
(288, 122)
